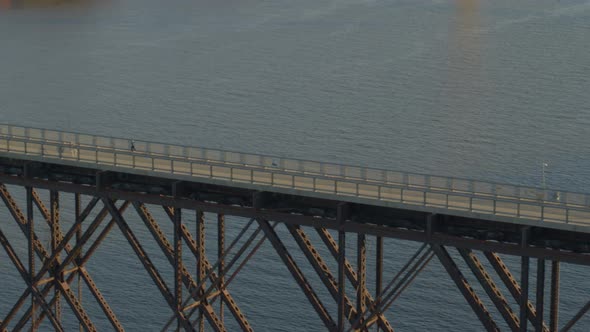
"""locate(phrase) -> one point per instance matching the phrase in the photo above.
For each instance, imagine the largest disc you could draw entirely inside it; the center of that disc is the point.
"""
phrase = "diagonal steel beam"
(410, 271)
(474, 301)
(490, 288)
(298, 275)
(225, 295)
(145, 260)
(48, 260)
(576, 317)
(45, 291)
(352, 276)
(78, 310)
(79, 262)
(234, 259)
(19, 217)
(322, 269)
(32, 288)
(82, 270)
(511, 284)
(75, 252)
(168, 251)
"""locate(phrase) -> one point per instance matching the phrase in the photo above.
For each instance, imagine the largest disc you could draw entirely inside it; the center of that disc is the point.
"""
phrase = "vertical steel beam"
(352, 277)
(322, 269)
(201, 272)
(341, 215)
(554, 314)
(168, 250)
(232, 306)
(80, 262)
(51, 263)
(379, 269)
(77, 211)
(524, 281)
(220, 255)
(31, 249)
(30, 283)
(524, 294)
(55, 239)
(178, 264)
(540, 296)
(362, 273)
(511, 284)
(145, 260)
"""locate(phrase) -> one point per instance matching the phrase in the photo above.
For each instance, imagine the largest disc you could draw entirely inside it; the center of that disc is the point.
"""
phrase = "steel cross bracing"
(197, 299)
(63, 262)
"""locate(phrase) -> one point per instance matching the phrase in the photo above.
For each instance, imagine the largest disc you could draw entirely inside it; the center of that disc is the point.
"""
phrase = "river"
(481, 89)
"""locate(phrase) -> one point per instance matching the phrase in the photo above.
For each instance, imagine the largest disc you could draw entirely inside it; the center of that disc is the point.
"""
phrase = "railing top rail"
(379, 175)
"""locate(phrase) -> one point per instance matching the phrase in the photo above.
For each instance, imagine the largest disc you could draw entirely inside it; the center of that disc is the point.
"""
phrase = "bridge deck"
(436, 194)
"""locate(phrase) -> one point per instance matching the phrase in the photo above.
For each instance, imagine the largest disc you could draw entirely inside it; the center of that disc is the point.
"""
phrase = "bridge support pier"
(540, 295)
(554, 313)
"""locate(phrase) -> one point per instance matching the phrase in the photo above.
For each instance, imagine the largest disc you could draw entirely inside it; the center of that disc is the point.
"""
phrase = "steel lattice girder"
(50, 261)
(55, 263)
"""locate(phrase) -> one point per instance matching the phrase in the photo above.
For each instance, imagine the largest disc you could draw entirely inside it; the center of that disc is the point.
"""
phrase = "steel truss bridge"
(480, 220)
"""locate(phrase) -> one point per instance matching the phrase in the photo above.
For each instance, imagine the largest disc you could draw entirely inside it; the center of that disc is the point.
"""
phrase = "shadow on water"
(22, 4)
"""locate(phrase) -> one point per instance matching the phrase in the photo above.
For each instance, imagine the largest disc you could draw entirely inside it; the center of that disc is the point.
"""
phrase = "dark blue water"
(479, 89)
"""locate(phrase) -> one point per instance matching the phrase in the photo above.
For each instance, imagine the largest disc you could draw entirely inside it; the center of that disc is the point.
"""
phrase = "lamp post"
(543, 180)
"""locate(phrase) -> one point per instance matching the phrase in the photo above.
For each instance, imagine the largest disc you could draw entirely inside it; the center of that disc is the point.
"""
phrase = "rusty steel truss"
(200, 300)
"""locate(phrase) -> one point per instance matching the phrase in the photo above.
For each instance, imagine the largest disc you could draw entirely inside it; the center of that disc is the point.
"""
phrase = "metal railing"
(343, 180)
